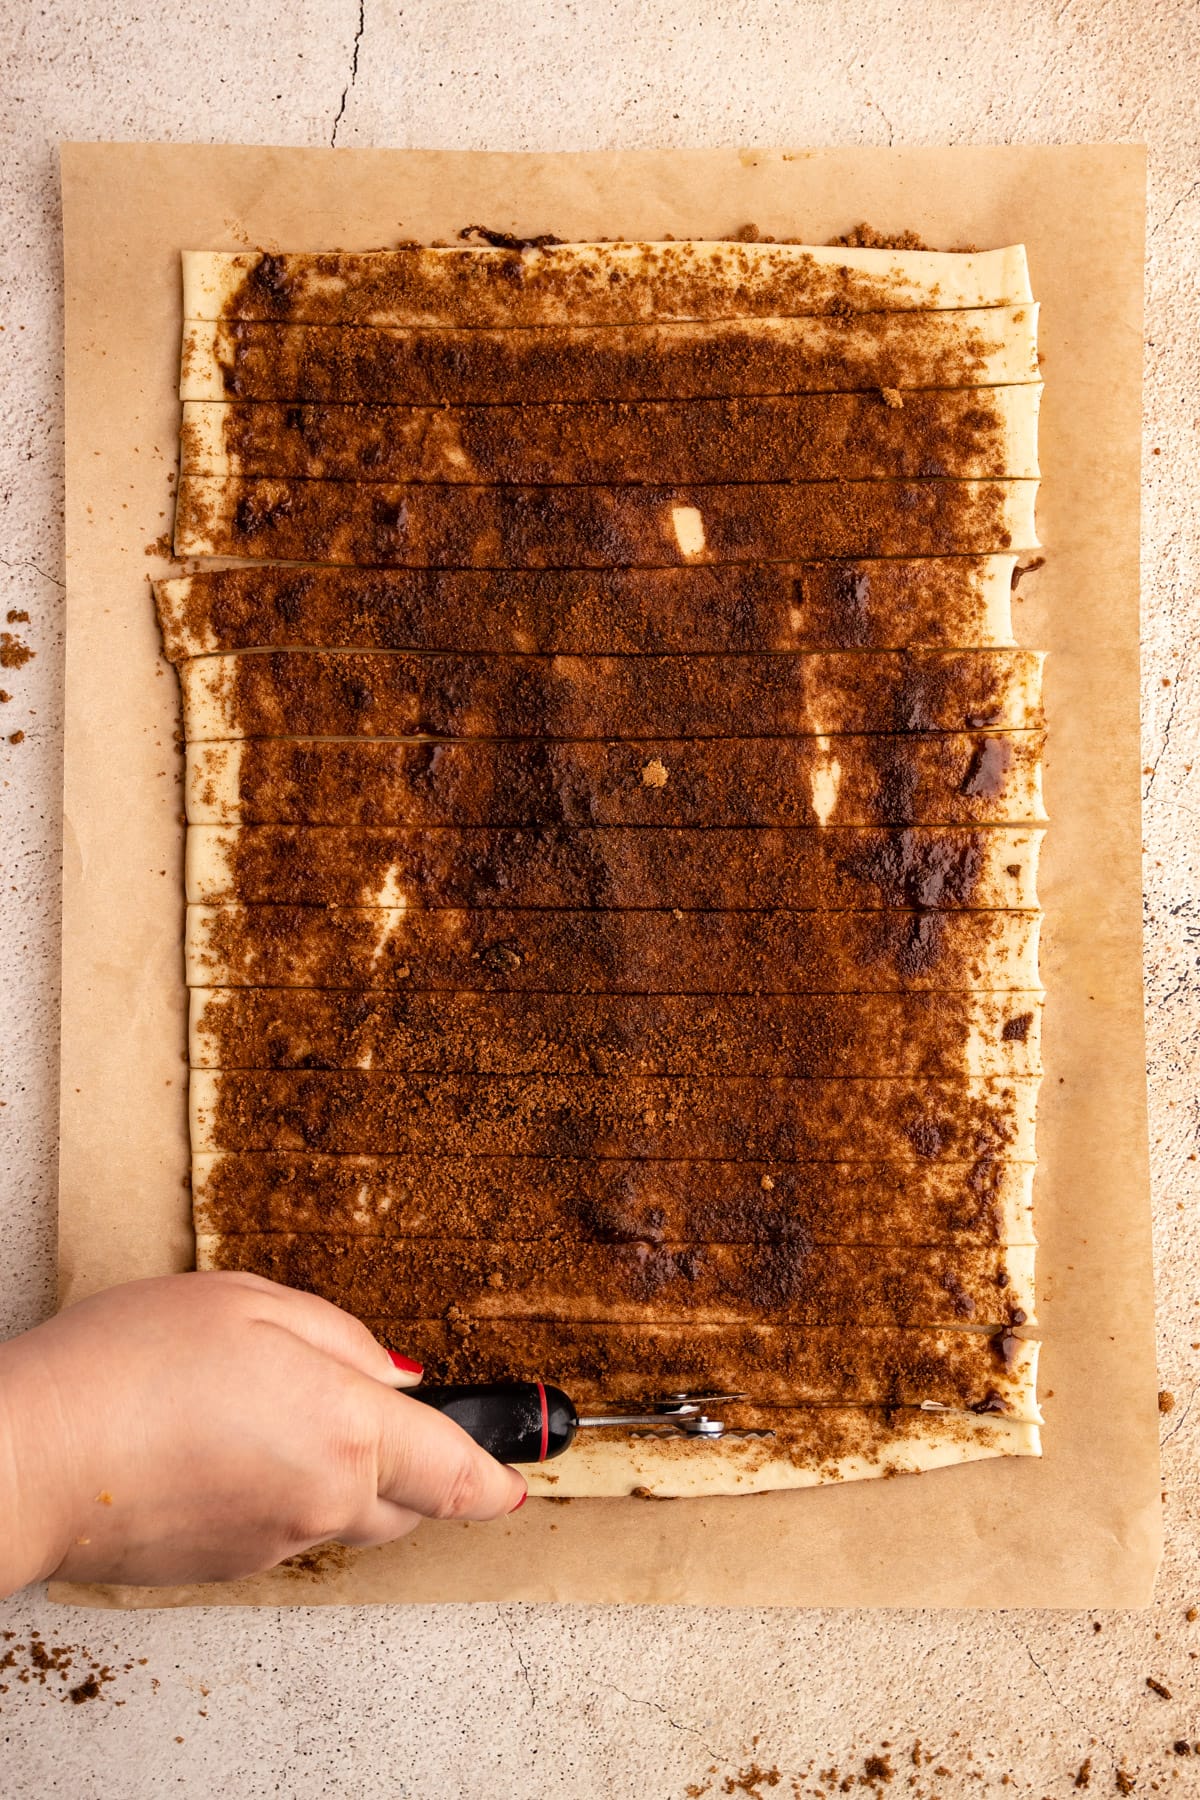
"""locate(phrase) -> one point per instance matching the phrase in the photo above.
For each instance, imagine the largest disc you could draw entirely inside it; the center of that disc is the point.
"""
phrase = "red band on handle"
(541, 1387)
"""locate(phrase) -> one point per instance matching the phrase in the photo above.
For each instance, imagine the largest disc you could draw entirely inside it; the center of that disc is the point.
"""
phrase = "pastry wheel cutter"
(531, 1421)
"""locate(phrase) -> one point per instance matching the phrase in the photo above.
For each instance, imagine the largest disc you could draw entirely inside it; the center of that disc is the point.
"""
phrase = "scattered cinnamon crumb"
(13, 653)
(17, 618)
(865, 237)
(751, 1780)
(16, 737)
(104, 1498)
(1083, 1775)
(1191, 1615)
(1158, 1687)
(1125, 1782)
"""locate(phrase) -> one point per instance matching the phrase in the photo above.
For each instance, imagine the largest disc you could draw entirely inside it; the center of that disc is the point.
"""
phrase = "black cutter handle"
(515, 1421)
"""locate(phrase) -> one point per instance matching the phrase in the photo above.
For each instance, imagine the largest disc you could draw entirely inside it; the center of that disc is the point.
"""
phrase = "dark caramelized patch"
(645, 951)
(418, 526)
(717, 607)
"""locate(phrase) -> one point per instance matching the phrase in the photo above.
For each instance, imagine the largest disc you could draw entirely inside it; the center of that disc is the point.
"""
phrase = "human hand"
(202, 1427)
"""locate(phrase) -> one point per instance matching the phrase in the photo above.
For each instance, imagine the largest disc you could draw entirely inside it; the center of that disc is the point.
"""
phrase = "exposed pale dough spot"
(362, 1211)
(688, 522)
(393, 903)
(795, 618)
(826, 779)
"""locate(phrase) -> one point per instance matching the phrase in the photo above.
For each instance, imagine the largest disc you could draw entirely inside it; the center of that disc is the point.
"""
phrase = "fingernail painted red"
(520, 1502)
(406, 1363)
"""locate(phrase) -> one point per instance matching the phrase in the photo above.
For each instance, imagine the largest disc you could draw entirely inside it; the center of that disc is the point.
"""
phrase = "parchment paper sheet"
(1079, 1528)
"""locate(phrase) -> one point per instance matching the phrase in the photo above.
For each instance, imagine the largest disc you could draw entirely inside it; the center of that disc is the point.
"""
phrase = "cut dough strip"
(879, 780)
(344, 365)
(391, 693)
(938, 602)
(872, 1284)
(597, 527)
(638, 1034)
(612, 867)
(627, 952)
(787, 1365)
(913, 1202)
(809, 1449)
(605, 283)
(592, 1116)
(965, 432)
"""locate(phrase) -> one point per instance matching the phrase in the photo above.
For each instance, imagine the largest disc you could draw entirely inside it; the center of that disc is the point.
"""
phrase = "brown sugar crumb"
(865, 237)
(1158, 1687)
(505, 240)
(13, 653)
(322, 1559)
(51, 1666)
(1083, 1775)
(877, 1768)
(1181, 1747)
(892, 397)
(1166, 1401)
(16, 737)
(1191, 1615)
(1028, 568)
(751, 1780)
(17, 618)
(5, 696)
(1125, 1781)
(654, 773)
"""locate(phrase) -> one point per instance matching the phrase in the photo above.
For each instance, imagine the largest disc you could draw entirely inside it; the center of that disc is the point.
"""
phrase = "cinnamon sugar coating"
(420, 526)
(420, 366)
(614, 867)
(917, 1201)
(960, 779)
(585, 612)
(621, 952)
(821, 1365)
(806, 437)
(592, 1115)
(349, 693)
(793, 1283)
(627, 1034)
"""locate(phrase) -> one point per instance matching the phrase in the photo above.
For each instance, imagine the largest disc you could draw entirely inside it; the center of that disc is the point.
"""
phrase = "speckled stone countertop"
(441, 1703)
